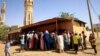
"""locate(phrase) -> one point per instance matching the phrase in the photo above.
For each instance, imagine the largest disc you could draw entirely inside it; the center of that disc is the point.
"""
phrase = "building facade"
(78, 26)
(56, 24)
(97, 26)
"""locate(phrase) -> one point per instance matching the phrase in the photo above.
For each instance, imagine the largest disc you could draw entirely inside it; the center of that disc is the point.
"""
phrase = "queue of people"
(37, 40)
(64, 41)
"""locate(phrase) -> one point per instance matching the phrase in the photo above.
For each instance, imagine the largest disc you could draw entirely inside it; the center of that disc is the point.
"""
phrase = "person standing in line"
(68, 43)
(75, 42)
(41, 41)
(80, 41)
(92, 41)
(65, 40)
(31, 40)
(84, 40)
(36, 39)
(22, 42)
(47, 40)
(27, 40)
(7, 48)
(71, 40)
(55, 39)
(60, 41)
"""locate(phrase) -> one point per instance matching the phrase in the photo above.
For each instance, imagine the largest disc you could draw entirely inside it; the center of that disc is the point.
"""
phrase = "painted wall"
(66, 25)
(78, 27)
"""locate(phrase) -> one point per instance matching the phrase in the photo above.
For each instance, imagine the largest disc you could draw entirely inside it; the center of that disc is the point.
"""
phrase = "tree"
(4, 29)
(87, 28)
(65, 15)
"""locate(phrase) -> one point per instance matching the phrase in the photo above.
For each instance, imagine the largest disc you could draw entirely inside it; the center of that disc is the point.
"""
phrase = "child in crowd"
(7, 48)
(22, 44)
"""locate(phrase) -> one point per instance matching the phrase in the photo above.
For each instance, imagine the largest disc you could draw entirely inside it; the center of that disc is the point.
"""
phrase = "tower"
(0, 20)
(28, 13)
(3, 13)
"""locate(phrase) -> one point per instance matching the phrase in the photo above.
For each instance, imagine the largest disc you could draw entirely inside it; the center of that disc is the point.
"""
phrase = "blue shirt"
(22, 41)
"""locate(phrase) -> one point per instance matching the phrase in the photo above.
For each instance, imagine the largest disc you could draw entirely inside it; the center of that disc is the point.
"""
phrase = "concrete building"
(56, 24)
(78, 26)
(97, 26)
(14, 33)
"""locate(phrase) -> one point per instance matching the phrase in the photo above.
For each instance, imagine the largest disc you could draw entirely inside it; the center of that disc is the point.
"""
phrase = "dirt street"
(15, 52)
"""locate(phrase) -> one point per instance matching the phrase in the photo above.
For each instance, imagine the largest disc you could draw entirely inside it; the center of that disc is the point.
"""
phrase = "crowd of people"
(61, 42)
(64, 41)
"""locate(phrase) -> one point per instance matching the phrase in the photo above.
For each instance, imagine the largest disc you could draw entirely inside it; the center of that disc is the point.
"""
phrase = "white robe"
(60, 41)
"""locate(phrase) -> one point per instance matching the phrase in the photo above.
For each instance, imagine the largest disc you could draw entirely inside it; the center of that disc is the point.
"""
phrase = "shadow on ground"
(88, 53)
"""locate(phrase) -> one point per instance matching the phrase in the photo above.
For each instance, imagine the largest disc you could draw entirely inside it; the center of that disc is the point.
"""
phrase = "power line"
(93, 8)
(98, 16)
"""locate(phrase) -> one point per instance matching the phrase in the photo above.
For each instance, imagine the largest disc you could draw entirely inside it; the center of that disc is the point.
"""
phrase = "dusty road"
(14, 52)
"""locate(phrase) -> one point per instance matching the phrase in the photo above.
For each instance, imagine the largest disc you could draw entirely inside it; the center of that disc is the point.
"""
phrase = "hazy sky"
(45, 9)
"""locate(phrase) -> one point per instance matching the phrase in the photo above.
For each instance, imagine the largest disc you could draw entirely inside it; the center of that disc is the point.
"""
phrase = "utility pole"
(90, 17)
(99, 18)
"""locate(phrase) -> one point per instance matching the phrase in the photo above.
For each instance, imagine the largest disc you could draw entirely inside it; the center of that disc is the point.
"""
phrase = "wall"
(77, 27)
(66, 25)
(49, 27)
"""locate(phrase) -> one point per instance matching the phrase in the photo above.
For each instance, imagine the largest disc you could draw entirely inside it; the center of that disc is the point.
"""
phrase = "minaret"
(0, 20)
(28, 14)
(3, 12)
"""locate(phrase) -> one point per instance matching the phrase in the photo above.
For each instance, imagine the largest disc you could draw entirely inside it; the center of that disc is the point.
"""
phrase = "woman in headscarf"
(54, 40)
(41, 41)
(47, 40)
(31, 41)
(36, 38)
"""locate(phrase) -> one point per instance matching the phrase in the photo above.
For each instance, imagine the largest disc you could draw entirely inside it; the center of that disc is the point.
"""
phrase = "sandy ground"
(15, 52)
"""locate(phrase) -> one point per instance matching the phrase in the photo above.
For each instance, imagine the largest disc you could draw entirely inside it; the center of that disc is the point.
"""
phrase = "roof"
(76, 19)
(13, 31)
(49, 21)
